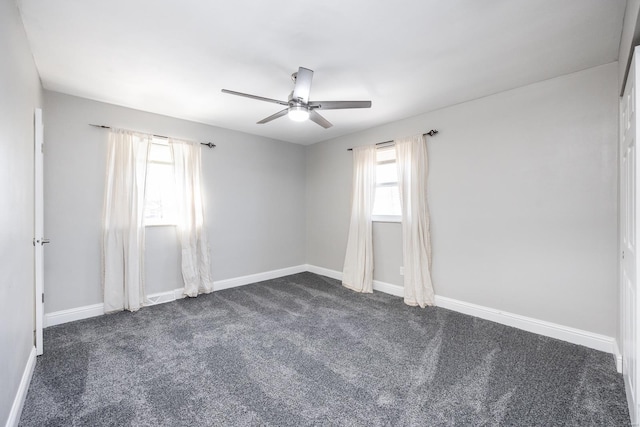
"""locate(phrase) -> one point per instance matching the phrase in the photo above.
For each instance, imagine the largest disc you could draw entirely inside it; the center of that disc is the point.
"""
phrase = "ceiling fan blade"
(339, 105)
(303, 84)
(317, 118)
(259, 98)
(274, 116)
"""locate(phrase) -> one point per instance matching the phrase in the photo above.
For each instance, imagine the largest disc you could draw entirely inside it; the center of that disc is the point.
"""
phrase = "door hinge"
(43, 297)
(622, 254)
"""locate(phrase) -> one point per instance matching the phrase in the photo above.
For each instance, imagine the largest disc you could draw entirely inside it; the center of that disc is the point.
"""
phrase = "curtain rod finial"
(431, 132)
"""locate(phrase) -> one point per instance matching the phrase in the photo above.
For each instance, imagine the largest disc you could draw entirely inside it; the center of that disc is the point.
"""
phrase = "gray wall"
(20, 93)
(255, 200)
(523, 200)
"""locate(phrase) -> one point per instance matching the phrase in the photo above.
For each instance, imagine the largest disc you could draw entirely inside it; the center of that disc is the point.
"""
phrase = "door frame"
(38, 240)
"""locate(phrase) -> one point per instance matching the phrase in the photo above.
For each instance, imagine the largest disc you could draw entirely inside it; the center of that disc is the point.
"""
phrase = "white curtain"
(123, 233)
(196, 264)
(357, 273)
(411, 158)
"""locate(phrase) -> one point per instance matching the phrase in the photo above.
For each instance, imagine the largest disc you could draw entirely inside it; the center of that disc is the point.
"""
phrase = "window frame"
(166, 221)
(386, 217)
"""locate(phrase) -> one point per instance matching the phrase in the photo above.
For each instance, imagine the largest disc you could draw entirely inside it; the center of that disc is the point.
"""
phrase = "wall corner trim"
(529, 324)
(23, 388)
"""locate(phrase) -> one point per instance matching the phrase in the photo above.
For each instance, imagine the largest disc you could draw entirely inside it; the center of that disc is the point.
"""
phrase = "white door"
(628, 241)
(39, 240)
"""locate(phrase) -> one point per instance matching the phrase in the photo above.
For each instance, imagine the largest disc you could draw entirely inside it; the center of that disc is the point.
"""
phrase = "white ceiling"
(406, 56)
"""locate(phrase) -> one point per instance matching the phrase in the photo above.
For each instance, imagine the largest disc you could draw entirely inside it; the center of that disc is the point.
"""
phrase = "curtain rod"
(208, 144)
(430, 133)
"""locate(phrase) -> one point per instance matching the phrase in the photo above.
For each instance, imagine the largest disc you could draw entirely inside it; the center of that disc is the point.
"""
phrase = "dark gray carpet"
(302, 350)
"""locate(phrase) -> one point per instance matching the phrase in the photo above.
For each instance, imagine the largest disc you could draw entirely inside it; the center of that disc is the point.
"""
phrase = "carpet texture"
(302, 350)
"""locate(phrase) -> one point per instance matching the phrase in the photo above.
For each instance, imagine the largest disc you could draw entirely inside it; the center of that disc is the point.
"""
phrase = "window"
(160, 191)
(386, 206)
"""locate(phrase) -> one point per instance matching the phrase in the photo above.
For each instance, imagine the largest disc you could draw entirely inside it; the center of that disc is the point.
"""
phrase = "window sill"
(159, 225)
(386, 218)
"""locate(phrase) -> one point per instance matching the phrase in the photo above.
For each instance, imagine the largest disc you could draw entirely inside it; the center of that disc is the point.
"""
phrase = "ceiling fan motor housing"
(295, 101)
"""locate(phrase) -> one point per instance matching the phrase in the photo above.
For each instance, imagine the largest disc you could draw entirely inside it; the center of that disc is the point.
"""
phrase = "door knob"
(43, 241)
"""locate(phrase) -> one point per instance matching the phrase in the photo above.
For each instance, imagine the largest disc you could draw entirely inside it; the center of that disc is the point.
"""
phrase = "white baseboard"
(219, 285)
(324, 271)
(23, 388)
(85, 312)
(553, 330)
(258, 277)
(387, 288)
(541, 327)
(73, 314)
(88, 311)
(164, 297)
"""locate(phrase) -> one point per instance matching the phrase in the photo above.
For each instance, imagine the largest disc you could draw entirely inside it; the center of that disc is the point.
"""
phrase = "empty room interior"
(332, 213)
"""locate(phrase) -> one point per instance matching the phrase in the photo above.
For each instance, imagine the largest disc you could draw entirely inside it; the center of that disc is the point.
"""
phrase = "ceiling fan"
(299, 108)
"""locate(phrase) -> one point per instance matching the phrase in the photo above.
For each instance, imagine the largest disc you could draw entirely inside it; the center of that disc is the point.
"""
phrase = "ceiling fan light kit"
(299, 108)
(298, 113)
